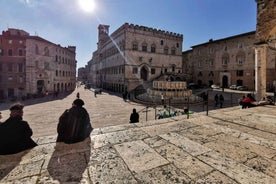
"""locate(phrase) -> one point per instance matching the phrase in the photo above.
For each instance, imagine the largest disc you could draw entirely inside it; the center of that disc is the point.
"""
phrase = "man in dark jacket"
(15, 134)
(134, 117)
(74, 124)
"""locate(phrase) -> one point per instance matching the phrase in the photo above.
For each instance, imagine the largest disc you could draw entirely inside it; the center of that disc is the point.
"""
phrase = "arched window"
(173, 68)
(166, 50)
(134, 45)
(144, 47)
(225, 59)
(153, 48)
(173, 50)
(46, 51)
(240, 58)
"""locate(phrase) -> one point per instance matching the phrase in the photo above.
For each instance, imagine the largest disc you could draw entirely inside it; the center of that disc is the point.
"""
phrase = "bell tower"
(103, 31)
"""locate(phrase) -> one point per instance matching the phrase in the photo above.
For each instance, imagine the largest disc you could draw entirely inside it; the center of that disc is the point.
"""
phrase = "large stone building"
(31, 65)
(132, 56)
(227, 61)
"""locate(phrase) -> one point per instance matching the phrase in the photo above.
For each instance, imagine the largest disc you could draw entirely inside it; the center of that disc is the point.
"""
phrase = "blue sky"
(64, 22)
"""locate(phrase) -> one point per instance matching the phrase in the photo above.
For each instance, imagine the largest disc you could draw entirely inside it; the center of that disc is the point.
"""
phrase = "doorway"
(144, 73)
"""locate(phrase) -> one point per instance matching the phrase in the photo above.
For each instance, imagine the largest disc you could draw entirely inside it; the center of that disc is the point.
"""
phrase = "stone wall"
(266, 20)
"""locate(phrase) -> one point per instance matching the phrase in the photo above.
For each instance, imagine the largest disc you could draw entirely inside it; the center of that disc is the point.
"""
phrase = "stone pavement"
(231, 145)
(105, 110)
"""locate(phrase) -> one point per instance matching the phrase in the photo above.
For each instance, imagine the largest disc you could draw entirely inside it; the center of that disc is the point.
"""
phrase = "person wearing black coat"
(15, 134)
(134, 117)
(74, 124)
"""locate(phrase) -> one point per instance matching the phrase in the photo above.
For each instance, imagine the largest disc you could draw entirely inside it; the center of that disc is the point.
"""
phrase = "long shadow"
(9, 162)
(69, 161)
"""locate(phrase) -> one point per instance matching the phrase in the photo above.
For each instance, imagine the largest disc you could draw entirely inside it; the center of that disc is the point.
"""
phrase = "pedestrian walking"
(162, 99)
(15, 134)
(221, 100)
(78, 95)
(216, 100)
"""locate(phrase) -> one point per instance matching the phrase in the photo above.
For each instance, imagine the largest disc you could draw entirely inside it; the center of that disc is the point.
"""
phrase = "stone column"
(260, 71)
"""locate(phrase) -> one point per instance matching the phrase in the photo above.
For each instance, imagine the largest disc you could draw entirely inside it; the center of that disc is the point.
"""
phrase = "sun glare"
(87, 5)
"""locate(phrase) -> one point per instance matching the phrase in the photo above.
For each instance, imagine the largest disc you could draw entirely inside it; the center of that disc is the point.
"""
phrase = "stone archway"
(40, 86)
(144, 73)
(224, 81)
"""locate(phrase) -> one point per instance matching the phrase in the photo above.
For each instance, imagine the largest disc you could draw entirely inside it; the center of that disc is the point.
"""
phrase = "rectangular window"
(240, 61)
(173, 51)
(135, 46)
(166, 51)
(225, 61)
(134, 70)
(240, 73)
(20, 52)
(20, 67)
(9, 67)
(10, 52)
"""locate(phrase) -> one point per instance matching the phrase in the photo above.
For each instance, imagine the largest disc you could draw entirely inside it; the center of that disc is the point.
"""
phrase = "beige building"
(133, 55)
(227, 61)
(31, 65)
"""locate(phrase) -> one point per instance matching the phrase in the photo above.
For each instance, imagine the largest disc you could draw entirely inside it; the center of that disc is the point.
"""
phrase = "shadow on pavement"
(69, 161)
(9, 162)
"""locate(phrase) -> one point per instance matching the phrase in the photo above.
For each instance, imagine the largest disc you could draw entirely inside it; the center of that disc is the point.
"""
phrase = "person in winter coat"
(74, 124)
(221, 100)
(134, 117)
(15, 134)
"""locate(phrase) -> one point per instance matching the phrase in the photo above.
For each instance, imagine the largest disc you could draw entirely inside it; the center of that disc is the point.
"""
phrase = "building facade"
(133, 55)
(31, 65)
(228, 61)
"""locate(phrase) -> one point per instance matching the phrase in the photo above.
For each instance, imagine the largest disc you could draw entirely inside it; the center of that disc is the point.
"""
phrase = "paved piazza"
(231, 145)
(105, 110)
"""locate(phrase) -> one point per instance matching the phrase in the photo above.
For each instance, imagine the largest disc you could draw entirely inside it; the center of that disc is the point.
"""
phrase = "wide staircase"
(230, 145)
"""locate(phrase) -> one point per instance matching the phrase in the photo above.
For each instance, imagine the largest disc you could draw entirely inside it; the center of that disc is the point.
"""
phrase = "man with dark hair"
(15, 134)
(74, 124)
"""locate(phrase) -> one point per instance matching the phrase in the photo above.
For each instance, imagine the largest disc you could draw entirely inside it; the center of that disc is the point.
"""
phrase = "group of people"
(15, 133)
(219, 99)
(249, 101)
